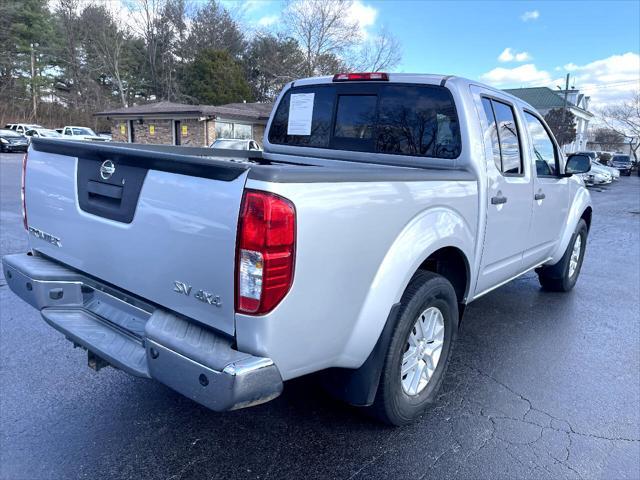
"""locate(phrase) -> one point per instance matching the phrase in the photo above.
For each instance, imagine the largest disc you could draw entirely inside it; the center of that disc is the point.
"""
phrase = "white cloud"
(530, 16)
(364, 15)
(607, 80)
(509, 55)
(268, 20)
(524, 75)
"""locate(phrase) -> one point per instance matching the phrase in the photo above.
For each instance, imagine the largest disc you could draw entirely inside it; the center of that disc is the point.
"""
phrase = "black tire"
(556, 278)
(392, 405)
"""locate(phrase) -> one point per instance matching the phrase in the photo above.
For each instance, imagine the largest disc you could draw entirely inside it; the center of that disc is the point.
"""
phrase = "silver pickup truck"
(381, 206)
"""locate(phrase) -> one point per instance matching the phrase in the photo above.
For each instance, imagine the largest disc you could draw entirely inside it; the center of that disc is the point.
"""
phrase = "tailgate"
(165, 236)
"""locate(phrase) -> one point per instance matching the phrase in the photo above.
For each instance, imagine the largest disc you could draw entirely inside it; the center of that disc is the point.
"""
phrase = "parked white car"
(236, 144)
(43, 133)
(81, 133)
(598, 167)
(614, 172)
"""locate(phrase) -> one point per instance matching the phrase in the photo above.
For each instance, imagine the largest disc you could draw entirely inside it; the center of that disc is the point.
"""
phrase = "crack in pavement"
(558, 425)
(532, 408)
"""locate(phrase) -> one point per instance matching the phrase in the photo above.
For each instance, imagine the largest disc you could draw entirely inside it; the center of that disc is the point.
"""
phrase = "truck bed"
(163, 225)
(227, 164)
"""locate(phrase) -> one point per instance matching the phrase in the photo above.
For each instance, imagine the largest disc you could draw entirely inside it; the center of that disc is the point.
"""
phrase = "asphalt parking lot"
(541, 385)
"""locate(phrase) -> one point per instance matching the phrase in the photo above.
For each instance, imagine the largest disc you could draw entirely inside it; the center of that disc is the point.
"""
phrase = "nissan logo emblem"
(107, 169)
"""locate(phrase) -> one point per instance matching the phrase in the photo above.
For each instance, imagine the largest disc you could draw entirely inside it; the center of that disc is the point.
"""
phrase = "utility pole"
(566, 92)
(34, 96)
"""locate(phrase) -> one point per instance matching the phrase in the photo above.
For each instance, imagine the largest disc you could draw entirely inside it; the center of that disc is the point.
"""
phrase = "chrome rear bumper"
(141, 339)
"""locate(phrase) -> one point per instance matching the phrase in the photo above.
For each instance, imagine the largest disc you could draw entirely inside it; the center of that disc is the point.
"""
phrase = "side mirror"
(578, 163)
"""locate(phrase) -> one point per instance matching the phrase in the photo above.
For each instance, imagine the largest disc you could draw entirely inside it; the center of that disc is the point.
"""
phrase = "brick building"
(170, 123)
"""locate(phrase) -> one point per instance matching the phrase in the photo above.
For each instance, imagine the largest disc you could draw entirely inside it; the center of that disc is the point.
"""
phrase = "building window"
(234, 130)
(242, 131)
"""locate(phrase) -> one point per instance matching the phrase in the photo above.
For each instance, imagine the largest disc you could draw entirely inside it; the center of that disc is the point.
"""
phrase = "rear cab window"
(389, 118)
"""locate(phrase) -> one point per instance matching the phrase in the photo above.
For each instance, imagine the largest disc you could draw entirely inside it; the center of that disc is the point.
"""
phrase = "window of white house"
(242, 131)
(233, 130)
(224, 130)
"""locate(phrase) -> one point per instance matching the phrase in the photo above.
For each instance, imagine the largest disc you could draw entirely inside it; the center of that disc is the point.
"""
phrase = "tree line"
(63, 60)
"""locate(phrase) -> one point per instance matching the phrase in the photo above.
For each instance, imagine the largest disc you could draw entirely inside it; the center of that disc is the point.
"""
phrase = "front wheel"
(562, 276)
(419, 350)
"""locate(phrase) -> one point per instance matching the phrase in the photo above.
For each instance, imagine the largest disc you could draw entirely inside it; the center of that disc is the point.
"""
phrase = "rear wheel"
(563, 276)
(419, 350)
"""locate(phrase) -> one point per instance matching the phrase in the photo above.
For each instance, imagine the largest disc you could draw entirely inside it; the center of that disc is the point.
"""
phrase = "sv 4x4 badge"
(201, 295)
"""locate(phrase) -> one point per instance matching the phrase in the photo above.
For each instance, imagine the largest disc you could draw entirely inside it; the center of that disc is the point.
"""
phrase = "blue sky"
(597, 42)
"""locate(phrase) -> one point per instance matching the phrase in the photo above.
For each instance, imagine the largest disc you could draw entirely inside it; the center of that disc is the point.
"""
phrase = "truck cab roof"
(417, 78)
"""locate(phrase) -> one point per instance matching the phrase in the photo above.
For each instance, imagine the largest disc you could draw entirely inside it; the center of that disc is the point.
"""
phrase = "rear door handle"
(498, 200)
(539, 196)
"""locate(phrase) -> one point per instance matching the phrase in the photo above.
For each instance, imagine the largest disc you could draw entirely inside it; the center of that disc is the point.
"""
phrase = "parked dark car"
(10, 141)
(622, 163)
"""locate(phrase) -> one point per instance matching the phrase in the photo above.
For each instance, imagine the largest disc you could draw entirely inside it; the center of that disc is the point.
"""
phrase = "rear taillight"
(22, 192)
(265, 251)
(364, 76)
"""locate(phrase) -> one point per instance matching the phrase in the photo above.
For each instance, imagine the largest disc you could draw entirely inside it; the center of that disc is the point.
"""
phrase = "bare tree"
(323, 30)
(382, 52)
(624, 118)
(107, 41)
(144, 14)
(608, 139)
(270, 62)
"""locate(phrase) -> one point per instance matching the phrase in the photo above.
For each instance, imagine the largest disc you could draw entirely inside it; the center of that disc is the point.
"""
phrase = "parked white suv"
(381, 206)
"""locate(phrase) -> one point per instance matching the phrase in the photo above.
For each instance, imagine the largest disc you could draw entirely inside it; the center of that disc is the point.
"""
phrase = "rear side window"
(503, 131)
(414, 120)
(491, 134)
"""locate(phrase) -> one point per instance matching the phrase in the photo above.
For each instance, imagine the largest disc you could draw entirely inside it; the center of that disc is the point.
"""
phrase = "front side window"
(544, 149)
(502, 131)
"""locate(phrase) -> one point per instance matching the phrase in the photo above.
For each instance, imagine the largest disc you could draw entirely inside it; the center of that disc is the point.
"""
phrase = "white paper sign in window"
(300, 114)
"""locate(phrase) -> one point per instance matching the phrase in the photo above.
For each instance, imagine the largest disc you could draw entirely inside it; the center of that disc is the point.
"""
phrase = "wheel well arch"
(586, 216)
(452, 264)
(359, 386)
